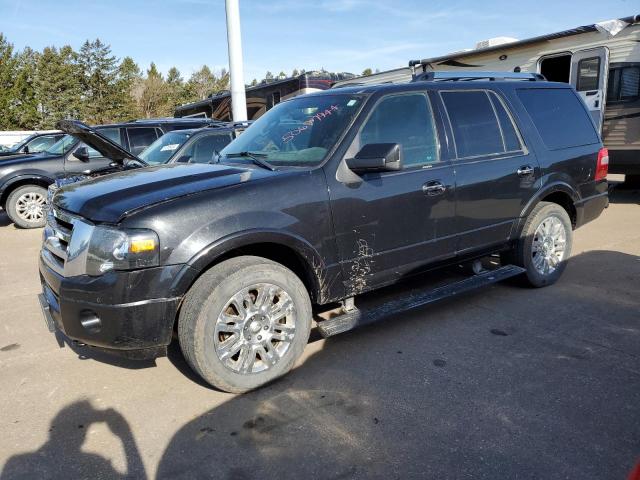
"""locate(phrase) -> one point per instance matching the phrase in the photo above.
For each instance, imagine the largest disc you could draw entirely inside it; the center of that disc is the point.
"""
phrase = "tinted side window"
(560, 117)
(140, 138)
(407, 120)
(509, 135)
(475, 125)
(203, 149)
(41, 143)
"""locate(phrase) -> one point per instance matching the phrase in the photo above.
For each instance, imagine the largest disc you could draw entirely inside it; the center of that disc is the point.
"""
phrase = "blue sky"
(347, 35)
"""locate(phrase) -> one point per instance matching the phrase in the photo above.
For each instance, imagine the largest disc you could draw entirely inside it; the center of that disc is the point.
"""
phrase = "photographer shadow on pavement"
(62, 456)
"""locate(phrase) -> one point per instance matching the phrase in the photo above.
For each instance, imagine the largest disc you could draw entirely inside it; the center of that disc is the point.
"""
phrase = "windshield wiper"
(257, 158)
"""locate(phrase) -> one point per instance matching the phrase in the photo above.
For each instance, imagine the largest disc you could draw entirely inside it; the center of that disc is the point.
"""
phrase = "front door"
(389, 224)
(495, 173)
(97, 161)
(589, 70)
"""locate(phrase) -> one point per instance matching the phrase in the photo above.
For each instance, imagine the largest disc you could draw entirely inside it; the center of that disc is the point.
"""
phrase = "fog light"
(90, 322)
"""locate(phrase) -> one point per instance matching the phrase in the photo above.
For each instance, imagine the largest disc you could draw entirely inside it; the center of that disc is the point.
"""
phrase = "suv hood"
(110, 198)
(92, 137)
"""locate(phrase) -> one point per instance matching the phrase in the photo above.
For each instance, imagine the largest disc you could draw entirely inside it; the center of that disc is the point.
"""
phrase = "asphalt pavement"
(505, 382)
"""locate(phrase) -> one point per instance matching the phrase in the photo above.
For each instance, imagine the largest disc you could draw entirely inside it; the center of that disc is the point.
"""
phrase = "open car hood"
(94, 139)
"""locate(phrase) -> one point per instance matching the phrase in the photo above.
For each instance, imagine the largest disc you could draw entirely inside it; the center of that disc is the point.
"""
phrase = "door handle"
(434, 188)
(525, 171)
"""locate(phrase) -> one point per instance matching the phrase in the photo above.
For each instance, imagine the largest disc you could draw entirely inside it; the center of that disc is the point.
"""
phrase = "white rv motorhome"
(601, 60)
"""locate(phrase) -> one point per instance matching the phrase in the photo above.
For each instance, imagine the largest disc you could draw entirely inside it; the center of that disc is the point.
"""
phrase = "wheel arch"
(558, 192)
(284, 248)
(20, 181)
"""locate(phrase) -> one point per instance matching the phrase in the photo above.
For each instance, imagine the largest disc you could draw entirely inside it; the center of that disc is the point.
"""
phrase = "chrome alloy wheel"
(30, 206)
(548, 247)
(255, 329)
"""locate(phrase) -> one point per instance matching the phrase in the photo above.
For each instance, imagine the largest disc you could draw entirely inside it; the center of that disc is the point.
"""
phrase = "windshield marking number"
(320, 116)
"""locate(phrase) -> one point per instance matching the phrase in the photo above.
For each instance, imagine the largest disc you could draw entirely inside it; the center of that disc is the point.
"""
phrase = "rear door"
(589, 70)
(495, 172)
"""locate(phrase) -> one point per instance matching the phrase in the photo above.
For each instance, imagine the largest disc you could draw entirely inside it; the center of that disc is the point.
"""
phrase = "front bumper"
(127, 313)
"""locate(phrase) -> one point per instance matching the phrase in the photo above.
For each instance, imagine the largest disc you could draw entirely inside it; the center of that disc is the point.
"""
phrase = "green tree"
(295, 72)
(268, 77)
(367, 71)
(176, 93)
(58, 86)
(99, 82)
(7, 75)
(253, 83)
(23, 112)
(201, 84)
(128, 77)
(151, 94)
(282, 75)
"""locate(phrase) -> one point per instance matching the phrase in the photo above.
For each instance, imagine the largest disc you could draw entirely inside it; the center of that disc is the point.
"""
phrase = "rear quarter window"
(559, 116)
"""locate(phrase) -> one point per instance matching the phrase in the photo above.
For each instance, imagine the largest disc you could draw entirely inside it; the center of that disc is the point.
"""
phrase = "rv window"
(560, 117)
(557, 68)
(624, 84)
(588, 74)
(475, 127)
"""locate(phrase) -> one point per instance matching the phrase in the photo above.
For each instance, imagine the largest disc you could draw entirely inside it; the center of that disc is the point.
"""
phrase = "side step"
(357, 318)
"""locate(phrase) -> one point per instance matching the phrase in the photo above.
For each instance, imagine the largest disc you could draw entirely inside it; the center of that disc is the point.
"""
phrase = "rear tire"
(244, 323)
(544, 245)
(26, 206)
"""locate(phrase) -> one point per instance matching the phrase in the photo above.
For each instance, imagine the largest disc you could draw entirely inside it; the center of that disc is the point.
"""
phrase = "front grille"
(65, 242)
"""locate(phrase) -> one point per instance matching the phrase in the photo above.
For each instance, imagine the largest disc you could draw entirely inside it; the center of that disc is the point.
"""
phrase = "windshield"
(298, 132)
(20, 144)
(163, 148)
(62, 145)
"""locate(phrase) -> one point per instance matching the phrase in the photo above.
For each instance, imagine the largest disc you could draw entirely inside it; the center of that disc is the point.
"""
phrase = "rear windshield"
(560, 117)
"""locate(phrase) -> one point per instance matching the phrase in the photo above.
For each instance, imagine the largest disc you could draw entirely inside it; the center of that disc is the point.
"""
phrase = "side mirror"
(82, 154)
(376, 157)
(184, 159)
(25, 149)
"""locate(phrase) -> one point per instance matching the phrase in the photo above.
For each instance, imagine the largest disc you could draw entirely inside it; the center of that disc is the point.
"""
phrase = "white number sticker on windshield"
(318, 117)
(170, 147)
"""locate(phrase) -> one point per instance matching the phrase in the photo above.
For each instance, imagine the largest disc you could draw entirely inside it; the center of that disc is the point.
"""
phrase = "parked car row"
(88, 152)
(326, 196)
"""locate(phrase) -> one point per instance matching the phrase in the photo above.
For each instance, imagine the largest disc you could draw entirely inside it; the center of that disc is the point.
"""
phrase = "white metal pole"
(238, 97)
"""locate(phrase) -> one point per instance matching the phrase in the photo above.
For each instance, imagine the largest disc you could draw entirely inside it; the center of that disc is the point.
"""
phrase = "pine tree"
(268, 77)
(24, 109)
(175, 88)
(253, 83)
(99, 81)
(151, 94)
(367, 71)
(7, 75)
(58, 87)
(125, 106)
(201, 84)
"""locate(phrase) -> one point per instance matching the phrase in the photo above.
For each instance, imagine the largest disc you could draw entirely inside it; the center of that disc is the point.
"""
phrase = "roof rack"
(463, 77)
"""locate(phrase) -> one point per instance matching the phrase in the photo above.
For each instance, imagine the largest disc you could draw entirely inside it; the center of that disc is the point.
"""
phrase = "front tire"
(244, 323)
(26, 206)
(544, 245)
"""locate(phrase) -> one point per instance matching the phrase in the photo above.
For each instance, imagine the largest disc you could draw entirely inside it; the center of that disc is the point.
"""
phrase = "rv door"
(589, 70)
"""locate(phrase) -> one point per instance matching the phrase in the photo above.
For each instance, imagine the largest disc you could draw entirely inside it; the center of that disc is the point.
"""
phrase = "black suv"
(24, 178)
(35, 143)
(326, 196)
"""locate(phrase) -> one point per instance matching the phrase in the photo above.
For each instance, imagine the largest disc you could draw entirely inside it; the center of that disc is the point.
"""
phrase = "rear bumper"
(590, 208)
(108, 312)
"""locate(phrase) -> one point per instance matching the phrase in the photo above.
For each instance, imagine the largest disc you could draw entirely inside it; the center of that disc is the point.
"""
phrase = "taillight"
(602, 167)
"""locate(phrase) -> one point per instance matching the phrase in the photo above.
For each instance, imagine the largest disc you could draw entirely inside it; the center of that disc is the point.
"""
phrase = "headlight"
(114, 249)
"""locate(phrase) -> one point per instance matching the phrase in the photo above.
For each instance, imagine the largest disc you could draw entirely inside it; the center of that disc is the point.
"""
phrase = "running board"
(357, 318)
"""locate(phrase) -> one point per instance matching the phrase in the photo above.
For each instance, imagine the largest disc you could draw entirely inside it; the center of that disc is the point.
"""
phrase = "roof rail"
(491, 76)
